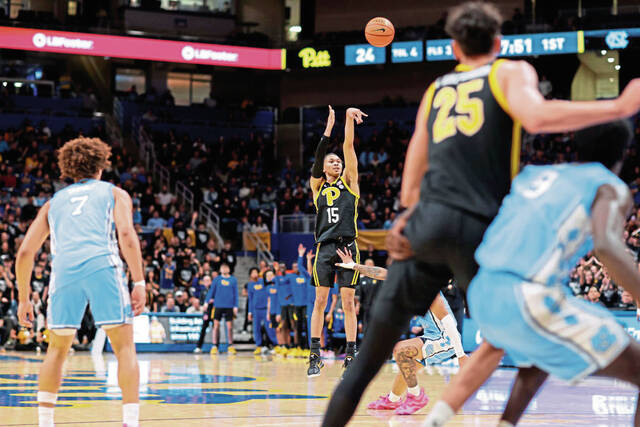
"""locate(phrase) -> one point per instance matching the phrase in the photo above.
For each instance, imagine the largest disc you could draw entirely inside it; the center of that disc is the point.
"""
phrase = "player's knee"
(321, 303)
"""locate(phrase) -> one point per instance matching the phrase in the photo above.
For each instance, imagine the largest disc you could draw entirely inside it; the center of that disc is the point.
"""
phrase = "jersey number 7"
(80, 200)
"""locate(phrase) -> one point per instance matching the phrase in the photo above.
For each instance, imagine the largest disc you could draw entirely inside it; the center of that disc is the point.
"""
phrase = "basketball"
(379, 32)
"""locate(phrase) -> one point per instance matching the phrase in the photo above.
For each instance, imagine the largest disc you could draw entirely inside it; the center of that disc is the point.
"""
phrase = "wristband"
(349, 266)
(140, 283)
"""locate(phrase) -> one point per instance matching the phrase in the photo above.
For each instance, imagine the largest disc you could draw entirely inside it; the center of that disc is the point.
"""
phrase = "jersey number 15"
(333, 216)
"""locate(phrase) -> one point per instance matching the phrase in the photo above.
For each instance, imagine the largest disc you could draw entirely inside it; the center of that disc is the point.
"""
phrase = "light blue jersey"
(86, 266)
(437, 346)
(83, 233)
(544, 225)
(519, 298)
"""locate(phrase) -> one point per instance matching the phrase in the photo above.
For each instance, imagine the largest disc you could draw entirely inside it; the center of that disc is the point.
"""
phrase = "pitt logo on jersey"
(225, 282)
(257, 287)
(331, 193)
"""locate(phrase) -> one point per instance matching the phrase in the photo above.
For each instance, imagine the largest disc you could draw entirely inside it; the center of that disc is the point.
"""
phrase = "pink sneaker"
(412, 404)
(384, 404)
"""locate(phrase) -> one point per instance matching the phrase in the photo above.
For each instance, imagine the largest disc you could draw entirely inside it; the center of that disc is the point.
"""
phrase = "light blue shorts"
(543, 326)
(104, 290)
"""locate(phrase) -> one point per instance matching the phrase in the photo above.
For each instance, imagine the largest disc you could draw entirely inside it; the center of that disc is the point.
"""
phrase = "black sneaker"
(348, 361)
(315, 364)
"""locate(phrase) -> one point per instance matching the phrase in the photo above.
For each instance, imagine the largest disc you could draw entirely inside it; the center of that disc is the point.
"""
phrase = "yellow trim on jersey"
(516, 139)
(315, 199)
(580, 41)
(463, 67)
(429, 94)
(315, 267)
(494, 85)
(347, 187)
(356, 276)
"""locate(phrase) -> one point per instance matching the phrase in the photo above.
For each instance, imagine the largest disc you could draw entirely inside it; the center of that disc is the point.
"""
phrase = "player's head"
(294, 267)
(332, 166)
(253, 273)
(269, 275)
(475, 29)
(224, 269)
(605, 143)
(83, 158)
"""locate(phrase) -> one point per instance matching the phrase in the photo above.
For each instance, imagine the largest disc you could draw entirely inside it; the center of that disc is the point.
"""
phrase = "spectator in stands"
(626, 301)
(593, 296)
(194, 307)
(609, 294)
(170, 306)
(156, 221)
(228, 256)
(259, 226)
(164, 197)
(181, 301)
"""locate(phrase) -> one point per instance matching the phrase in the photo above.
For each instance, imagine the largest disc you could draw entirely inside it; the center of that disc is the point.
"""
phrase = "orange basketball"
(379, 32)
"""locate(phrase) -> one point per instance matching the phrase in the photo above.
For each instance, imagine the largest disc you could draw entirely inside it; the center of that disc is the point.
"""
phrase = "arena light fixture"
(603, 52)
(295, 29)
(617, 67)
(610, 59)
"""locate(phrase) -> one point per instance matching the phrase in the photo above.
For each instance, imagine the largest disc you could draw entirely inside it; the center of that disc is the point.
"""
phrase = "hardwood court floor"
(196, 390)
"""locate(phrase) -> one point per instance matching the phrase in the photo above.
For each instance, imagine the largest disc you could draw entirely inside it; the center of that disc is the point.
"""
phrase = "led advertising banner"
(141, 48)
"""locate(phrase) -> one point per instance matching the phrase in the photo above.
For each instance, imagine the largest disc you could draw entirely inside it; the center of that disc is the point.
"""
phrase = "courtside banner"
(141, 48)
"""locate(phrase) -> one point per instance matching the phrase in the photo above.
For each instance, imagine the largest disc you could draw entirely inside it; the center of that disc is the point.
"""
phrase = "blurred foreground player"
(520, 297)
(336, 192)
(440, 341)
(83, 221)
(465, 149)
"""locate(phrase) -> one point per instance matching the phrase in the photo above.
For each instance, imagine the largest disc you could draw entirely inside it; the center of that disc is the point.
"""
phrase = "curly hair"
(474, 25)
(83, 158)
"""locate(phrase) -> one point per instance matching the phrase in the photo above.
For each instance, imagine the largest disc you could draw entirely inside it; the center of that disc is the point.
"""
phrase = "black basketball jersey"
(337, 208)
(474, 144)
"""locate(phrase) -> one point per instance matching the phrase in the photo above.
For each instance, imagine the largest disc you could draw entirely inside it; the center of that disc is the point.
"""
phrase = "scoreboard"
(518, 45)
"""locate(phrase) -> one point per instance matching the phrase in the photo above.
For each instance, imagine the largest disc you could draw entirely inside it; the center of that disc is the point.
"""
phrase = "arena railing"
(297, 223)
(262, 251)
(162, 175)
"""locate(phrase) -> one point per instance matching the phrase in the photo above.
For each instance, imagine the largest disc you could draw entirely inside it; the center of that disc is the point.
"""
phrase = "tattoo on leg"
(405, 359)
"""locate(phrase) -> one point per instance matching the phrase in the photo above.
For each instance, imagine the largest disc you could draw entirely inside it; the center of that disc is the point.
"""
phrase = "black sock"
(315, 346)
(351, 348)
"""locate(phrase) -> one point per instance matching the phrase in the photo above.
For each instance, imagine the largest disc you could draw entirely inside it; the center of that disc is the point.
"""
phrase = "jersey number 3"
(79, 201)
(469, 116)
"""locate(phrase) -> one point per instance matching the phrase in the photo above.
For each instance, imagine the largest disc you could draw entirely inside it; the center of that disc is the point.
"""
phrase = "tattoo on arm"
(378, 273)
(406, 360)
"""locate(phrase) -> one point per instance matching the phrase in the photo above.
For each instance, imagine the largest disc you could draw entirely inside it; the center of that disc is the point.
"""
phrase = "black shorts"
(324, 266)
(286, 311)
(300, 313)
(219, 313)
(444, 240)
(273, 321)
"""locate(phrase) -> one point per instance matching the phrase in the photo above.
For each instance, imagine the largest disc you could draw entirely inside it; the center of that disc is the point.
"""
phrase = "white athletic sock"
(130, 413)
(450, 327)
(394, 397)
(504, 423)
(45, 416)
(414, 390)
(439, 415)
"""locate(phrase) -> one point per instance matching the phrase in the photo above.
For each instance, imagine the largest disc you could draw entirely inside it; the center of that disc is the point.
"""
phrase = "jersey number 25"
(469, 116)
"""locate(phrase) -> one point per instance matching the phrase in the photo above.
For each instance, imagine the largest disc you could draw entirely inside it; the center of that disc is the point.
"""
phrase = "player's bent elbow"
(534, 124)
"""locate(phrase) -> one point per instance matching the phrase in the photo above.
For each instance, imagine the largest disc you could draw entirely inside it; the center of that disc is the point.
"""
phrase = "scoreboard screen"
(407, 51)
(518, 45)
(364, 54)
